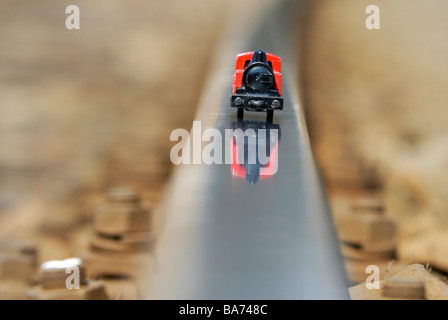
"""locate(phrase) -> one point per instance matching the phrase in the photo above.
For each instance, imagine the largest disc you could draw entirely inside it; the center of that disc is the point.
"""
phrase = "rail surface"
(225, 237)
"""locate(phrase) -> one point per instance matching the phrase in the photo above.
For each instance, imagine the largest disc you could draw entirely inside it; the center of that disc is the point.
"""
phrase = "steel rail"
(222, 237)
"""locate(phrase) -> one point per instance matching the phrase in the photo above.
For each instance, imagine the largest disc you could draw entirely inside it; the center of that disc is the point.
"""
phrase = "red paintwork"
(239, 69)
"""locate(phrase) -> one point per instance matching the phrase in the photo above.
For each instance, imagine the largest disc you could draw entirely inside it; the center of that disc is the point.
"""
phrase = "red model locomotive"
(257, 83)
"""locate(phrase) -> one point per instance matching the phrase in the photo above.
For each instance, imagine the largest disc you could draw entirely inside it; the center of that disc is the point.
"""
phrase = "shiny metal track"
(225, 237)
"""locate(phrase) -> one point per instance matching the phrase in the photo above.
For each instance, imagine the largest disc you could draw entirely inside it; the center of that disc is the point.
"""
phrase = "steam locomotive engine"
(257, 83)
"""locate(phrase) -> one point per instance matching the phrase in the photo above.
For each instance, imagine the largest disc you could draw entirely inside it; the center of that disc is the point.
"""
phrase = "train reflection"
(254, 148)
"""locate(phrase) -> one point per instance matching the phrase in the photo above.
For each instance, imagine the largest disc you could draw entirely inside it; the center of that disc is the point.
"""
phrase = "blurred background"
(85, 110)
(80, 108)
(376, 105)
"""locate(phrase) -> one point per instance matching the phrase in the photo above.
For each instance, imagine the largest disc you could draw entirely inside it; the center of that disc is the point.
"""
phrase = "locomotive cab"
(257, 83)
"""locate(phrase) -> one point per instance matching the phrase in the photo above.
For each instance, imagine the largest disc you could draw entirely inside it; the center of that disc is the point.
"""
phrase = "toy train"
(257, 83)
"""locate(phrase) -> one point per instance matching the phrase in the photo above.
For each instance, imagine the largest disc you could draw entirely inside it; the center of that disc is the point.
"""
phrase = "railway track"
(222, 231)
(224, 238)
